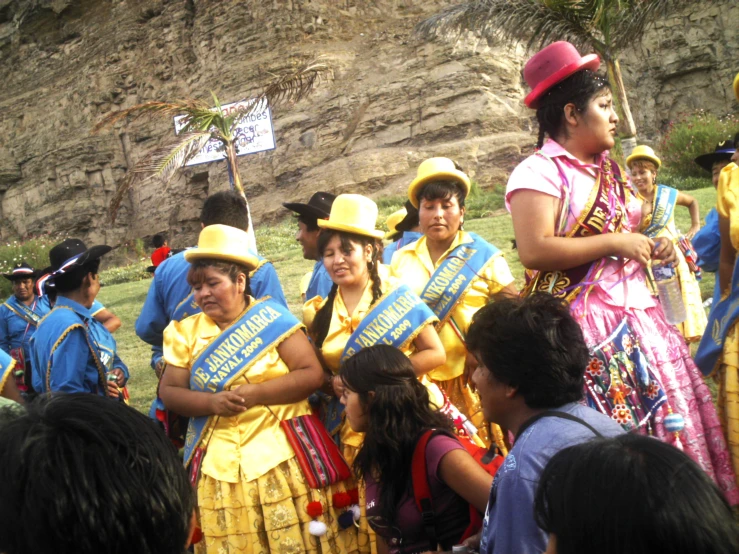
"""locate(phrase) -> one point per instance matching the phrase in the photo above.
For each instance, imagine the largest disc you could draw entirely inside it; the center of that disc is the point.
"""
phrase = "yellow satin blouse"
(413, 265)
(728, 199)
(252, 441)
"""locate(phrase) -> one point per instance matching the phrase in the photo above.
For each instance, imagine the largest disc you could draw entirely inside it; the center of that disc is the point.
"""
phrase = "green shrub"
(690, 136)
(34, 251)
(125, 274)
(682, 182)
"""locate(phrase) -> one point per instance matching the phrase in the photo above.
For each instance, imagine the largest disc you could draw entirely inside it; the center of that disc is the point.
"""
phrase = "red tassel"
(342, 500)
(354, 494)
(314, 509)
(197, 535)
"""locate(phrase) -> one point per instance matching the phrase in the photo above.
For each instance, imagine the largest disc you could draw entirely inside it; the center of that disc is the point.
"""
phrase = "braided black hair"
(322, 321)
(578, 89)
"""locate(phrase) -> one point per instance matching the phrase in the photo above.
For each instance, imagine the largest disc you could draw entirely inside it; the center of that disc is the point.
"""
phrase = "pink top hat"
(552, 65)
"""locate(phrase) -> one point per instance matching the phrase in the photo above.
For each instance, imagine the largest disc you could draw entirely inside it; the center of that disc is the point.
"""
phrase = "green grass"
(277, 243)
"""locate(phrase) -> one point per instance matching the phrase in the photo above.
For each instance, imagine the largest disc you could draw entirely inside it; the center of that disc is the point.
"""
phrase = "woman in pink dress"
(576, 220)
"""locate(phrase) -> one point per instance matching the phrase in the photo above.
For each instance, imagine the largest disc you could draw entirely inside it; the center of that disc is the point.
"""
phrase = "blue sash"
(23, 311)
(262, 326)
(665, 200)
(6, 368)
(395, 319)
(720, 320)
(450, 281)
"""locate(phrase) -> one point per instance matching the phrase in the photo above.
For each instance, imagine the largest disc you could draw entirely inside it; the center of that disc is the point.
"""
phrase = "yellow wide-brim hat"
(392, 221)
(223, 242)
(353, 213)
(436, 169)
(643, 152)
(736, 87)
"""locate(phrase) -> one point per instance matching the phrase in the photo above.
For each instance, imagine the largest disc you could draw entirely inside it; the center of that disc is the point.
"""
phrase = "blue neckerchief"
(6, 368)
(395, 319)
(320, 282)
(447, 285)
(665, 200)
(232, 354)
(720, 320)
(21, 310)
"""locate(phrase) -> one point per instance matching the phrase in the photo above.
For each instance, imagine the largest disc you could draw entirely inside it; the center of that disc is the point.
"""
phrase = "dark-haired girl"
(237, 370)
(664, 501)
(351, 251)
(576, 221)
(456, 273)
(384, 399)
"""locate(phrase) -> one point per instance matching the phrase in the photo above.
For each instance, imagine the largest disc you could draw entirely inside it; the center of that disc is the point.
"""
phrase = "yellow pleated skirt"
(268, 515)
(727, 377)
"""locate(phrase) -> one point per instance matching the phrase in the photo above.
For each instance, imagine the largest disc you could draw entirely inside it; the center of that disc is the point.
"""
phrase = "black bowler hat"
(319, 206)
(74, 252)
(724, 151)
(21, 271)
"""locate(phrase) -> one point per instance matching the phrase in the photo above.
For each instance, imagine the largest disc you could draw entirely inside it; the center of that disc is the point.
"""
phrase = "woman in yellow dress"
(658, 220)
(237, 370)
(351, 250)
(456, 273)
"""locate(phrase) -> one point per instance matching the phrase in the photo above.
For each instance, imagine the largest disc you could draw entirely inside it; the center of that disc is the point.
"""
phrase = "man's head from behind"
(531, 354)
(86, 474)
(225, 208)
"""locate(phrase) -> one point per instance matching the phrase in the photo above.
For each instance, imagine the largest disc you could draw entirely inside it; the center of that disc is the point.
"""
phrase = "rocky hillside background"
(393, 102)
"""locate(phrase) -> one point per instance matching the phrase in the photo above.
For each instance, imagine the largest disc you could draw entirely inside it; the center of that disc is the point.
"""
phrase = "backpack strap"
(421, 489)
(561, 415)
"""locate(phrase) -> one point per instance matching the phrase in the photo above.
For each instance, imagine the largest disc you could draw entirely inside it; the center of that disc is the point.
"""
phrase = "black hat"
(74, 252)
(21, 271)
(724, 151)
(319, 205)
(410, 220)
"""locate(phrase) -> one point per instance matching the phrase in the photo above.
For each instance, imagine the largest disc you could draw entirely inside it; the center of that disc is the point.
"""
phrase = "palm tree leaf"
(189, 107)
(162, 162)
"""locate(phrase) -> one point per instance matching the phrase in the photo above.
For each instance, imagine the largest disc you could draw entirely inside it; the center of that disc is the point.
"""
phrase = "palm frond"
(606, 26)
(162, 162)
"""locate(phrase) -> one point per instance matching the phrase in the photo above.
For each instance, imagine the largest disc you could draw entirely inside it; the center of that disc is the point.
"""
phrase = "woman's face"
(220, 298)
(347, 267)
(440, 219)
(643, 179)
(599, 121)
(355, 411)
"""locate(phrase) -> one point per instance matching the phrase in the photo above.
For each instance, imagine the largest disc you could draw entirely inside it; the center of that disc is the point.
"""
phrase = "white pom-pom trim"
(356, 511)
(317, 528)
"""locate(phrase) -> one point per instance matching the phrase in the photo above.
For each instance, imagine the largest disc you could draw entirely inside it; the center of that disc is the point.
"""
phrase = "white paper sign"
(253, 134)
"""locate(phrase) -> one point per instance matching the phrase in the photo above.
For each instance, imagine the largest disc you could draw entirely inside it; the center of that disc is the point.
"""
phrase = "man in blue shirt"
(530, 376)
(318, 207)
(169, 297)
(72, 351)
(19, 316)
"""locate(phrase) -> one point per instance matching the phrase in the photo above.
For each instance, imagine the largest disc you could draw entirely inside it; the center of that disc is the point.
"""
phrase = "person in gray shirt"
(531, 358)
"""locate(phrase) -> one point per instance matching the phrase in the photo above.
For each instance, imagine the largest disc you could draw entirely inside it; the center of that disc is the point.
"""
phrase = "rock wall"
(392, 103)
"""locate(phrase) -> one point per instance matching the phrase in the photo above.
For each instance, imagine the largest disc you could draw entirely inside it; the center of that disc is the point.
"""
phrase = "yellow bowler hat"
(436, 169)
(353, 213)
(736, 87)
(643, 152)
(223, 242)
(392, 221)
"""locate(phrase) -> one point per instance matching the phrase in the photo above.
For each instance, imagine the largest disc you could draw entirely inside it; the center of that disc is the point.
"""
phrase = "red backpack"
(490, 460)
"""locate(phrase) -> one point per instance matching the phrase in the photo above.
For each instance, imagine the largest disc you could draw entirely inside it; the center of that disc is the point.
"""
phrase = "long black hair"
(578, 89)
(632, 495)
(399, 411)
(322, 321)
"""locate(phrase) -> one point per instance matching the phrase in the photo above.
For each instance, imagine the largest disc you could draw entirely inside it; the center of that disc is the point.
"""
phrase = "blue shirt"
(170, 288)
(320, 282)
(509, 524)
(409, 237)
(15, 331)
(707, 243)
(65, 353)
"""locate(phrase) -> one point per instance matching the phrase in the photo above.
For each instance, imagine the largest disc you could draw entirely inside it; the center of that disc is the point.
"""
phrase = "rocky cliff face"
(393, 102)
